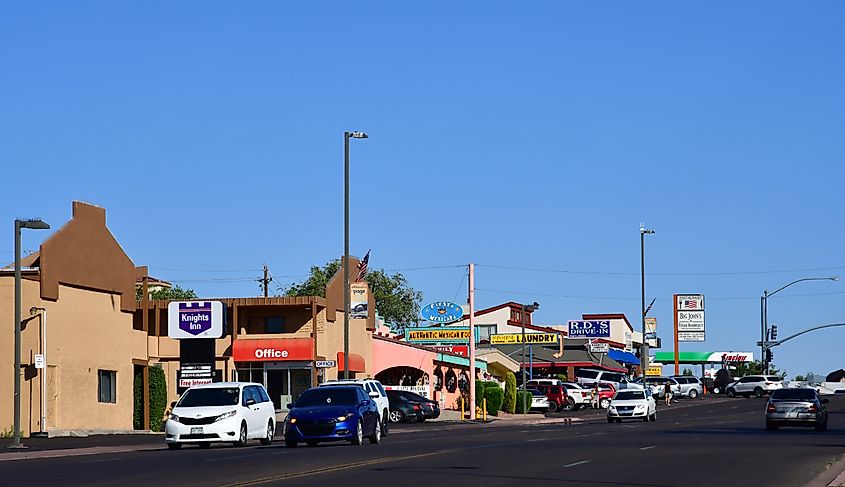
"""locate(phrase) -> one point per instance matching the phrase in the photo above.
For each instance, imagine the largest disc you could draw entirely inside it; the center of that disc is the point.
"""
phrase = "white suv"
(758, 385)
(375, 390)
(618, 379)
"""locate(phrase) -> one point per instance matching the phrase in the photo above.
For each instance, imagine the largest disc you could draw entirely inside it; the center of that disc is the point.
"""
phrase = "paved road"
(716, 441)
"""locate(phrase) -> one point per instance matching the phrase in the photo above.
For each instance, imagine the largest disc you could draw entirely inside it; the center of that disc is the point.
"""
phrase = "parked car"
(658, 386)
(758, 385)
(556, 394)
(796, 407)
(232, 412)
(619, 380)
(403, 408)
(533, 383)
(430, 407)
(374, 390)
(632, 404)
(539, 401)
(339, 413)
(689, 386)
(579, 394)
(606, 392)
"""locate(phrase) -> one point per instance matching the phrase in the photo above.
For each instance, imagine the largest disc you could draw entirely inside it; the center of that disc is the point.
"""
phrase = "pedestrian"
(594, 396)
(667, 391)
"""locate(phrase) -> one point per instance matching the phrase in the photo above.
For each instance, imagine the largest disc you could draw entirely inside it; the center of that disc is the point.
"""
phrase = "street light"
(32, 224)
(644, 344)
(525, 308)
(764, 316)
(346, 137)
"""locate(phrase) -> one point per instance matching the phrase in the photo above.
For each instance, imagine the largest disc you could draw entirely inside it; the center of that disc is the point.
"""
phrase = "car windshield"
(772, 378)
(210, 396)
(629, 395)
(794, 394)
(328, 396)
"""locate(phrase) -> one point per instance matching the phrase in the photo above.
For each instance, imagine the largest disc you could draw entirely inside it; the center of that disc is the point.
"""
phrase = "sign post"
(689, 321)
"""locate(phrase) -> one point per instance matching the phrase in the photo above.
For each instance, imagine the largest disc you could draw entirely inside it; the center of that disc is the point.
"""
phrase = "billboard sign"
(690, 336)
(589, 329)
(442, 312)
(510, 338)
(195, 319)
(462, 350)
(691, 320)
(438, 335)
(358, 300)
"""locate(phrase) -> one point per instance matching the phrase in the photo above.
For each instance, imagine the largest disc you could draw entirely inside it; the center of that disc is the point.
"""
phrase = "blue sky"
(534, 136)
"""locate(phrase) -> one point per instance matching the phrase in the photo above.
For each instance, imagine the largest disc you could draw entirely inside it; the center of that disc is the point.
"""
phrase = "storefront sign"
(508, 338)
(272, 350)
(654, 371)
(599, 347)
(629, 341)
(442, 312)
(589, 329)
(195, 319)
(194, 374)
(718, 357)
(326, 364)
(358, 300)
(462, 350)
(424, 391)
(690, 336)
(442, 335)
(690, 320)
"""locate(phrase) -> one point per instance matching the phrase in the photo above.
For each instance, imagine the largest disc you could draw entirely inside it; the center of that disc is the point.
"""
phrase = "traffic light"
(769, 355)
(774, 333)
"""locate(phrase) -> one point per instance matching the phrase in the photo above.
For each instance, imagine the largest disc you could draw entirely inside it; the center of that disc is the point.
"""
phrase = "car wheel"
(359, 434)
(553, 407)
(618, 420)
(206, 445)
(174, 446)
(569, 405)
(758, 392)
(604, 403)
(609, 420)
(693, 393)
(397, 416)
(242, 436)
(375, 438)
(312, 443)
(269, 438)
(771, 426)
(385, 424)
(292, 443)
(731, 393)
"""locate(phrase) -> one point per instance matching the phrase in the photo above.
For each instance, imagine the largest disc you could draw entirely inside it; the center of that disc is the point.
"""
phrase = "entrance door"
(277, 386)
(300, 381)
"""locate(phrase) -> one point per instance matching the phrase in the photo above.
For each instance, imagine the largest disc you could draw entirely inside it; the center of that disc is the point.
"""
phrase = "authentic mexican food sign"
(438, 335)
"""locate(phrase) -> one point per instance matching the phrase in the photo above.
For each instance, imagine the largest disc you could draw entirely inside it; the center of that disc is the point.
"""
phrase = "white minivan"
(232, 412)
(619, 380)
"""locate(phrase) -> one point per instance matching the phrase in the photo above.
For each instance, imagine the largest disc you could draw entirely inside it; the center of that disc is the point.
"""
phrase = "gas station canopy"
(703, 357)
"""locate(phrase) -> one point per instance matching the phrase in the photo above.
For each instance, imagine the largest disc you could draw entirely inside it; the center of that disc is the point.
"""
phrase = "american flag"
(362, 267)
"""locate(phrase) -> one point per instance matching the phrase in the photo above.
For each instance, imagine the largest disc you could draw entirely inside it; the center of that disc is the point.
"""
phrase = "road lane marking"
(648, 447)
(582, 462)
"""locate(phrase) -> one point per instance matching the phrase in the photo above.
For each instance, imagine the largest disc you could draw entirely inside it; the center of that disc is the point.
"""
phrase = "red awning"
(356, 362)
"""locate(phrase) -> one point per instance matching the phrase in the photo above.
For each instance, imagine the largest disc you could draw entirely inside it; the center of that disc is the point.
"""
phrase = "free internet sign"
(195, 319)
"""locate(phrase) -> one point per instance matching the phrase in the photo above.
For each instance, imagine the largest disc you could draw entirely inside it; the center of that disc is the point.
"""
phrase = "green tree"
(687, 372)
(396, 301)
(800, 378)
(173, 293)
(754, 368)
(509, 404)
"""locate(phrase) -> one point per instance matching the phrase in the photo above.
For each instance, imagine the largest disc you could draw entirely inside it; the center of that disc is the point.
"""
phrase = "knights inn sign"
(195, 319)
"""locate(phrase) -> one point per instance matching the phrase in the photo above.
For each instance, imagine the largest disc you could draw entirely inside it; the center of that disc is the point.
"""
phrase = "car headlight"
(343, 418)
(640, 406)
(226, 415)
(173, 417)
(290, 419)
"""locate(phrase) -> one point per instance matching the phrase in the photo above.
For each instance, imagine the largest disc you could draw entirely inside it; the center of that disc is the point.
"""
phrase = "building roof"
(544, 357)
(608, 316)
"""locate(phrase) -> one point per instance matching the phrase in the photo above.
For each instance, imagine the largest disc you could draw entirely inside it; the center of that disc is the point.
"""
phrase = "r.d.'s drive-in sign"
(195, 319)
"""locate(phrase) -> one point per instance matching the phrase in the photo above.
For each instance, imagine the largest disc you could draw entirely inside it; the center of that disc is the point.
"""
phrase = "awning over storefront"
(356, 362)
(451, 359)
(623, 357)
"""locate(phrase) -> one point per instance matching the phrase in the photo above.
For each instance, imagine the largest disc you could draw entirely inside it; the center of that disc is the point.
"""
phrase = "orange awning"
(356, 362)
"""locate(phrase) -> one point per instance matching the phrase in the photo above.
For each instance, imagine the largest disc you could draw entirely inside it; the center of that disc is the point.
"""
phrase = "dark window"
(276, 324)
(209, 396)
(587, 374)
(263, 394)
(329, 396)
(794, 394)
(381, 389)
(106, 386)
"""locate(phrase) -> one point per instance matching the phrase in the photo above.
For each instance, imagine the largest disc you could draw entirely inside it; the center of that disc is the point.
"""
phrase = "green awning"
(683, 357)
(451, 359)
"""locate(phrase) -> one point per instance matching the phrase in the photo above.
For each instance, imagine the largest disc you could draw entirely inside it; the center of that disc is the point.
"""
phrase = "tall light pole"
(764, 316)
(346, 137)
(525, 308)
(644, 345)
(34, 225)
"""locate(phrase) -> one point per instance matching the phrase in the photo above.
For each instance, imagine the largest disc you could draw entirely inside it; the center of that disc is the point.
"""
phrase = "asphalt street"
(714, 441)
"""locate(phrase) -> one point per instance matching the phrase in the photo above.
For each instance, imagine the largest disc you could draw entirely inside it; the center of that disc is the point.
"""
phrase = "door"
(277, 386)
(254, 416)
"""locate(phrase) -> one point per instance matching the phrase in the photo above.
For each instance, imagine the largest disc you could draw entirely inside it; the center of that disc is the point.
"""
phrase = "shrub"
(509, 403)
(479, 392)
(562, 377)
(520, 401)
(158, 398)
(495, 396)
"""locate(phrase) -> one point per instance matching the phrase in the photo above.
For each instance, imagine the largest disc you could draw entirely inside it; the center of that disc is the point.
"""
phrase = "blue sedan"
(337, 413)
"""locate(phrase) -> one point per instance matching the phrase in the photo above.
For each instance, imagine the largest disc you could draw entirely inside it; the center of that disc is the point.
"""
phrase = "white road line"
(535, 439)
(648, 447)
(582, 462)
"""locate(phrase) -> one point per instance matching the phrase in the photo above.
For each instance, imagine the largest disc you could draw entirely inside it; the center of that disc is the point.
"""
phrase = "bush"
(158, 398)
(495, 396)
(562, 377)
(138, 401)
(520, 401)
(479, 392)
(509, 403)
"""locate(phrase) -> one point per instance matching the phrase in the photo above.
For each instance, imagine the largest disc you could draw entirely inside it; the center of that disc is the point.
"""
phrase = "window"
(484, 332)
(106, 386)
(587, 374)
(263, 394)
(381, 389)
(275, 324)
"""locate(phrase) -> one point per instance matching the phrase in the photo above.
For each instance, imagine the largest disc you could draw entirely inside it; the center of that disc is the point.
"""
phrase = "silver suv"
(758, 385)
(690, 386)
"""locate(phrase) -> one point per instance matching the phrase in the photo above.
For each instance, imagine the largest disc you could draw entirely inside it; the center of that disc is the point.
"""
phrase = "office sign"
(273, 350)
(690, 320)
(438, 335)
(510, 338)
(195, 319)
(690, 336)
(442, 312)
(462, 350)
(589, 329)
(325, 364)
(599, 347)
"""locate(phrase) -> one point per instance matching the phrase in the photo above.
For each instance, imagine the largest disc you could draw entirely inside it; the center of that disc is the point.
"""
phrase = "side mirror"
(250, 401)
(365, 402)
(290, 406)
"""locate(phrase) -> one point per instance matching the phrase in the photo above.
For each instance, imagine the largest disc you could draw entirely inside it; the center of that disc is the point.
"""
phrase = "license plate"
(196, 431)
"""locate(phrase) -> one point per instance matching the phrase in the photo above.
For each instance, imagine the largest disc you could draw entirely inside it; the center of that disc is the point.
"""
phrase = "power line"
(621, 298)
(425, 268)
(609, 273)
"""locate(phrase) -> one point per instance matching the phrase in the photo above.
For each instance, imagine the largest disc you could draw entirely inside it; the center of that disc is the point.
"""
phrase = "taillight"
(771, 408)
(770, 383)
(416, 407)
(813, 408)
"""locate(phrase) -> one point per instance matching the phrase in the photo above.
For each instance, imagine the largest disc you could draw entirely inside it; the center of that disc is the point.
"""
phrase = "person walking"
(667, 392)
(594, 396)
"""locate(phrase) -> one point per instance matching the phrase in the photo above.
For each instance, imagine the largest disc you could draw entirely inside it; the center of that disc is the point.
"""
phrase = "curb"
(834, 476)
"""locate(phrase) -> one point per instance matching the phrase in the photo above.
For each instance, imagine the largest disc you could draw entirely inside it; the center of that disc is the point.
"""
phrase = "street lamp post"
(764, 316)
(525, 307)
(346, 137)
(644, 344)
(19, 224)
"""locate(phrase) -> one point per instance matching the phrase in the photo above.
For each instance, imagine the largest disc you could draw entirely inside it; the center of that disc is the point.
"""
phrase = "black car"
(430, 408)
(403, 408)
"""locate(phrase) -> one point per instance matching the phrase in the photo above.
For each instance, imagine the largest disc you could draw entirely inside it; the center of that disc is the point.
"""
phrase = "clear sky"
(531, 135)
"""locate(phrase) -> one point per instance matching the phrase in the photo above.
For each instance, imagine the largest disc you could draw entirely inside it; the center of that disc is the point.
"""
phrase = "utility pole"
(266, 280)
(471, 347)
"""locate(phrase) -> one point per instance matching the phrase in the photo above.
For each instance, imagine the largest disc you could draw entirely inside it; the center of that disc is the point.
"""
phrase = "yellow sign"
(507, 338)
(439, 335)
(654, 370)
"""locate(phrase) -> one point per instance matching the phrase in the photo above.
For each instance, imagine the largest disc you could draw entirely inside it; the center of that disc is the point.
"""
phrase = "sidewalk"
(78, 446)
(832, 477)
